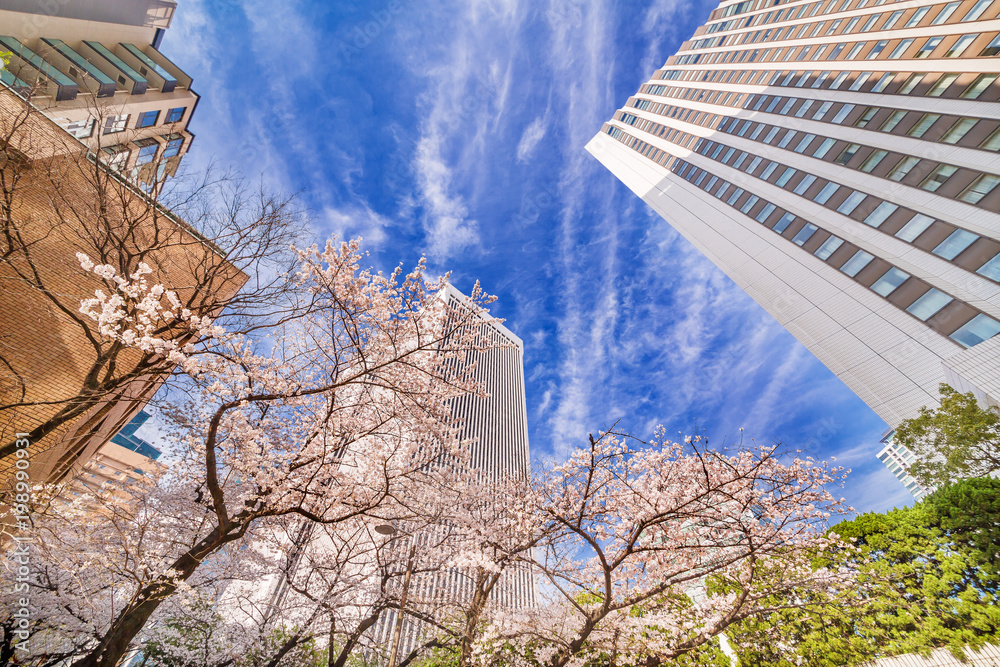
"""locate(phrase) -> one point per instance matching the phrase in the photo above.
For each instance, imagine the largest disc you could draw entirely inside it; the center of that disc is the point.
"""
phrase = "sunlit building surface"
(95, 68)
(837, 159)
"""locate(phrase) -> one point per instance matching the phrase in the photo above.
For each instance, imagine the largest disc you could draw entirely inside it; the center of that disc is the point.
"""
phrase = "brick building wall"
(57, 201)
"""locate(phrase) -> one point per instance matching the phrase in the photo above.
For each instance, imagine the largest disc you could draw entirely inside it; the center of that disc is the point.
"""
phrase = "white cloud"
(448, 227)
(357, 219)
(533, 134)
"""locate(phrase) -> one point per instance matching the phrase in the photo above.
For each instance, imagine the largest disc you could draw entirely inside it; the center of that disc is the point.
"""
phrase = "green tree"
(957, 441)
(926, 580)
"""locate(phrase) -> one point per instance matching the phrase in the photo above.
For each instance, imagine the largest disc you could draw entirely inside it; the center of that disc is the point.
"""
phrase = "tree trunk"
(352, 641)
(115, 644)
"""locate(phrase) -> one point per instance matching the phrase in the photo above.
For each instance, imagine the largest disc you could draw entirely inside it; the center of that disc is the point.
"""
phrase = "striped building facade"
(838, 159)
(498, 428)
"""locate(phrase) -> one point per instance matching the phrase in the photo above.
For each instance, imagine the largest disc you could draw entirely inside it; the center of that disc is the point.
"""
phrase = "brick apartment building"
(57, 199)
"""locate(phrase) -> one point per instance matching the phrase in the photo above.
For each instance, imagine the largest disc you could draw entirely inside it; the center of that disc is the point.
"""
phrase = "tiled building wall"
(837, 159)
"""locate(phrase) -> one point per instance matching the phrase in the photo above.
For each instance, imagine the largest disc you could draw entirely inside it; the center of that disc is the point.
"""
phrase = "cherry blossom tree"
(653, 549)
(326, 419)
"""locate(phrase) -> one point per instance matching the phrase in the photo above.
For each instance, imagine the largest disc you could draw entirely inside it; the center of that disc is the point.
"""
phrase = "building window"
(824, 148)
(992, 48)
(977, 10)
(945, 13)
(877, 49)
(765, 213)
(823, 196)
(848, 153)
(929, 304)
(991, 269)
(842, 114)
(975, 331)
(804, 184)
(804, 234)
(873, 160)
(173, 147)
(839, 80)
(911, 83)
(892, 121)
(115, 156)
(804, 143)
(992, 142)
(917, 16)
(900, 49)
(903, 168)
(879, 215)
(852, 202)
(147, 119)
(891, 21)
(977, 87)
(938, 177)
(981, 187)
(823, 108)
(889, 281)
(921, 126)
(783, 223)
(957, 131)
(960, 45)
(114, 124)
(80, 129)
(958, 241)
(866, 117)
(883, 82)
(785, 177)
(859, 261)
(928, 47)
(147, 151)
(828, 247)
(941, 85)
(175, 114)
(915, 227)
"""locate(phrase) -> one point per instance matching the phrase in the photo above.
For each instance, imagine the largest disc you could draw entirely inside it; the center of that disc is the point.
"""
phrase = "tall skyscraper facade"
(498, 427)
(838, 160)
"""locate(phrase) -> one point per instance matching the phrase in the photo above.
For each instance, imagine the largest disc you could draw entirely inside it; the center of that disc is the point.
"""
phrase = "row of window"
(866, 208)
(117, 156)
(944, 84)
(871, 23)
(965, 131)
(907, 225)
(921, 301)
(84, 129)
(768, 17)
(932, 175)
(115, 124)
(945, 46)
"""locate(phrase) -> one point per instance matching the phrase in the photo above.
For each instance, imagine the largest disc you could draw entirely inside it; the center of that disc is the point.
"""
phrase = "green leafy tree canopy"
(957, 441)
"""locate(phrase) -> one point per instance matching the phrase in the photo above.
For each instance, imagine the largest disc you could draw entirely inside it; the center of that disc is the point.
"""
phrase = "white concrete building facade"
(838, 160)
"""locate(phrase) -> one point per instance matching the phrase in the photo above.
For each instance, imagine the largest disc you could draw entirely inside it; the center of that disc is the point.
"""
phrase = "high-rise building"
(94, 67)
(498, 427)
(838, 160)
(897, 458)
(48, 353)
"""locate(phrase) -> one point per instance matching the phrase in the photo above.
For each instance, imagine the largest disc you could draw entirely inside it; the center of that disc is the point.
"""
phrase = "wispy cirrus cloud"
(529, 140)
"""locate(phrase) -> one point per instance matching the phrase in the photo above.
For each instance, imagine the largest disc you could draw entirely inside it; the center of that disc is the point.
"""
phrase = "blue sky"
(456, 129)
